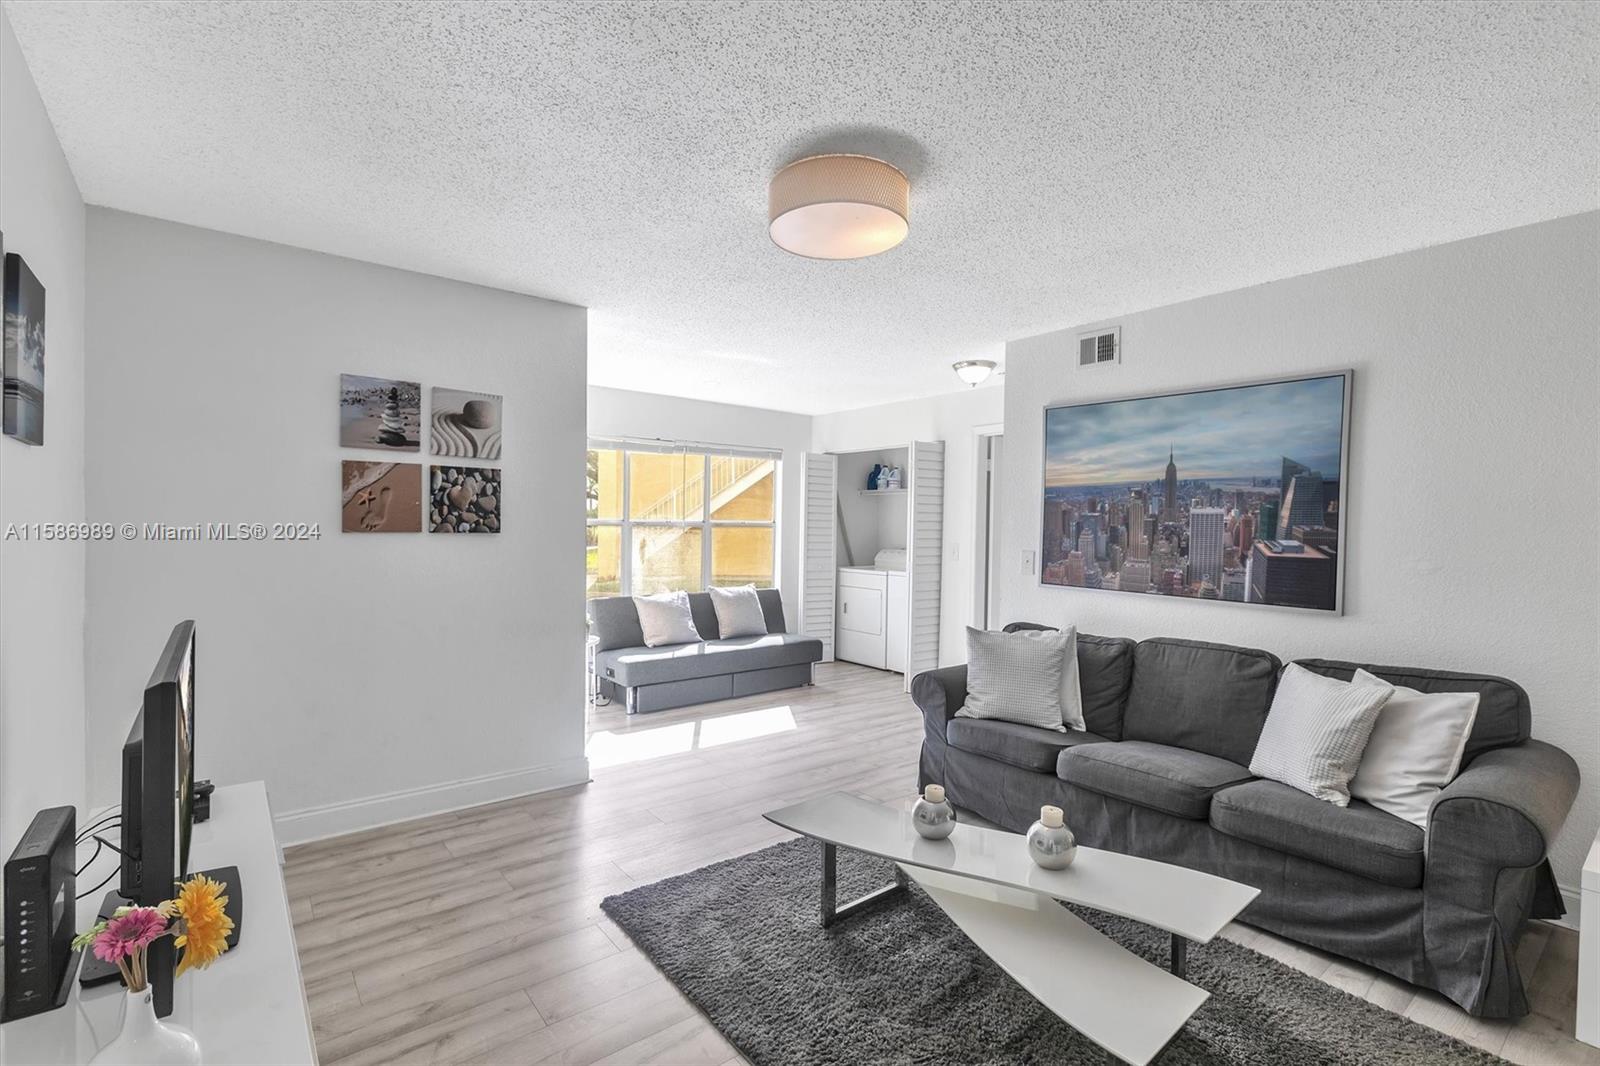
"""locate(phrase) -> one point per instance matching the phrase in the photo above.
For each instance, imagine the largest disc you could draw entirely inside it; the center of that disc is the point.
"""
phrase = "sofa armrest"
(939, 694)
(1506, 808)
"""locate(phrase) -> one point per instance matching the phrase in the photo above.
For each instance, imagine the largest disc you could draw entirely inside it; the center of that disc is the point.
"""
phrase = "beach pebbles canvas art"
(23, 406)
(464, 499)
(380, 413)
(380, 497)
(466, 425)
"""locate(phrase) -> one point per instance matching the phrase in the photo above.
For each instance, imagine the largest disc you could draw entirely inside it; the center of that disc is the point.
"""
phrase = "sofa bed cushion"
(680, 662)
(666, 619)
(1359, 838)
(1503, 719)
(1176, 781)
(1210, 698)
(1025, 746)
(614, 623)
(738, 612)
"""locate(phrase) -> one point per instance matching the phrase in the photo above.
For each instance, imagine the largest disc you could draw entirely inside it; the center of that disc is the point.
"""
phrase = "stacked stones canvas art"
(380, 413)
(24, 353)
(464, 499)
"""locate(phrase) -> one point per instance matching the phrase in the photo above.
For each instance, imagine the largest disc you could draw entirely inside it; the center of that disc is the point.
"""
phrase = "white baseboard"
(336, 819)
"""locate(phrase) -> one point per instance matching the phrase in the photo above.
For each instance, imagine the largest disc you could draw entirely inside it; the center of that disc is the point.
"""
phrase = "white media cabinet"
(248, 1007)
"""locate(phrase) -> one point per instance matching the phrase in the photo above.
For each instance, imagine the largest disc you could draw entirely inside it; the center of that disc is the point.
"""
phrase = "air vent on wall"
(1101, 347)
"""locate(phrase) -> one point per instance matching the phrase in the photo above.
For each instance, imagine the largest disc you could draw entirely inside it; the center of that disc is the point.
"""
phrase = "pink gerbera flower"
(129, 933)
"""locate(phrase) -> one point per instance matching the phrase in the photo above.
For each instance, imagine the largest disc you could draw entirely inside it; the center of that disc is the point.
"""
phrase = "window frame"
(706, 524)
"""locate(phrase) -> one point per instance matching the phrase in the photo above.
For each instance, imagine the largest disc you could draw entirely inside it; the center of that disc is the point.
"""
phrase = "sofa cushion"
(1504, 717)
(680, 662)
(1359, 838)
(1105, 666)
(1029, 747)
(1176, 781)
(1211, 698)
(614, 620)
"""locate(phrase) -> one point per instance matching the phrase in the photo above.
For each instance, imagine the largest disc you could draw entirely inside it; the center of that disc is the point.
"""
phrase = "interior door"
(924, 557)
(819, 550)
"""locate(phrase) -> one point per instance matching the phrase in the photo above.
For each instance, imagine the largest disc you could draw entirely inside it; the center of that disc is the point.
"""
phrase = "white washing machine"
(872, 616)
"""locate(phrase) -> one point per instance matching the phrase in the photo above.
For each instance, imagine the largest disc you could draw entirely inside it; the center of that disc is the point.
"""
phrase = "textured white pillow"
(1015, 677)
(1071, 690)
(665, 618)
(738, 612)
(1415, 749)
(1316, 731)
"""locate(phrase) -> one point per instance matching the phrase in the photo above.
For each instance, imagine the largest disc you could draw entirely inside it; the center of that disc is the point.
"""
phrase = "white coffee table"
(987, 884)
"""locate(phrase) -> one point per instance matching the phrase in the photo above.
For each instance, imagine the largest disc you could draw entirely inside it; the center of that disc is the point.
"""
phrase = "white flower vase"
(146, 1040)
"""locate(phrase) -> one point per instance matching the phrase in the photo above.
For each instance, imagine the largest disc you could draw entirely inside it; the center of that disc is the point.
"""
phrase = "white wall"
(953, 418)
(621, 413)
(365, 677)
(41, 584)
(1471, 502)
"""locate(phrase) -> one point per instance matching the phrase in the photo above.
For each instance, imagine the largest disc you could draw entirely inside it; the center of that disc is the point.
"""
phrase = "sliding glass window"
(665, 515)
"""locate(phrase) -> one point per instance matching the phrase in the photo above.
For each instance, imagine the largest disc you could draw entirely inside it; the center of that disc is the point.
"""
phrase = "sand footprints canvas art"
(466, 425)
(381, 497)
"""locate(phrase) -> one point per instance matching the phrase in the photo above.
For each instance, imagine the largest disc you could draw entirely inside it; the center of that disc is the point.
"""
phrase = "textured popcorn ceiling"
(1069, 162)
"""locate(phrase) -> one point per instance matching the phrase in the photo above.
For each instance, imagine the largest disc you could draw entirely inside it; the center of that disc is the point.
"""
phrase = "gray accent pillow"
(665, 618)
(738, 612)
(1016, 677)
(1316, 731)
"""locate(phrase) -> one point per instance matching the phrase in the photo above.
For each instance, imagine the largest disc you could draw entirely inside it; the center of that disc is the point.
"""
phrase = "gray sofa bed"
(676, 675)
(1161, 771)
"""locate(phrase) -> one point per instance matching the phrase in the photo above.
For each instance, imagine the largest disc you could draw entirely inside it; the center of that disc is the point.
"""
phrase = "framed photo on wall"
(1231, 494)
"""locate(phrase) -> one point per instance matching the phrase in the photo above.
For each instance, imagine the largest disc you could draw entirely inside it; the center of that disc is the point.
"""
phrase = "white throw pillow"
(665, 618)
(1071, 689)
(1015, 677)
(1415, 749)
(738, 612)
(1316, 731)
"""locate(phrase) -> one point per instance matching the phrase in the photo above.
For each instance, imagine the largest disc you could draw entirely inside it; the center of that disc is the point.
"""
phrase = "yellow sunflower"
(206, 927)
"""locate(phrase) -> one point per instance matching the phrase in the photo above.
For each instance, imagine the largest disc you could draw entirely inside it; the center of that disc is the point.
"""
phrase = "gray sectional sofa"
(676, 675)
(1161, 772)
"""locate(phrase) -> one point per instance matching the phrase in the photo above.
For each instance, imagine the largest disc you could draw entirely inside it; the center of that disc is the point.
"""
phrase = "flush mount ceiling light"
(974, 371)
(838, 207)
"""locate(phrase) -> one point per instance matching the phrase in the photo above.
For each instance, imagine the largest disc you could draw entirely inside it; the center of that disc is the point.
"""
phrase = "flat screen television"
(158, 794)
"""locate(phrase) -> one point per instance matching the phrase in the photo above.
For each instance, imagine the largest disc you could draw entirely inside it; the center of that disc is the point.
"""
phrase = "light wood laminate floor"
(477, 936)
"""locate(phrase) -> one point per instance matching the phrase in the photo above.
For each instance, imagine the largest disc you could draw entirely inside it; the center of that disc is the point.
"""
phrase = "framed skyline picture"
(1228, 494)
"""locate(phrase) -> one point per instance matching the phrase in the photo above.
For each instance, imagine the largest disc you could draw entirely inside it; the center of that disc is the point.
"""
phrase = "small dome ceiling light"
(838, 207)
(974, 371)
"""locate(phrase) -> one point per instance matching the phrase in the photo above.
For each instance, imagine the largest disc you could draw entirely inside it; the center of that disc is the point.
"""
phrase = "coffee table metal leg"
(1180, 956)
(831, 910)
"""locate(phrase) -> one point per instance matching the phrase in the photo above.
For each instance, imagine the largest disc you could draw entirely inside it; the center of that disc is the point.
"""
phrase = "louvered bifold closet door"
(819, 563)
(925, 557)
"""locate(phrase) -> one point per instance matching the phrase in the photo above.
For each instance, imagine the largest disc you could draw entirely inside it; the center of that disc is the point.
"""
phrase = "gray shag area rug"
(901, 984)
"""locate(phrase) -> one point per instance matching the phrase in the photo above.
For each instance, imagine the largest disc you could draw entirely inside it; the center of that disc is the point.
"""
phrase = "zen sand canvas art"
(380, 413)
(466, 425)
(380, 497)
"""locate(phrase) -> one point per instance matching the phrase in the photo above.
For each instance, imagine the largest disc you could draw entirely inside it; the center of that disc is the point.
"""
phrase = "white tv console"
(248, 1007)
